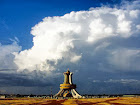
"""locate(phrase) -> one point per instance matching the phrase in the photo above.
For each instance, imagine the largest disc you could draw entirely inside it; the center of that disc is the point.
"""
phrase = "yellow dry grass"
(94, 101)
(70, 102)
(127, 101)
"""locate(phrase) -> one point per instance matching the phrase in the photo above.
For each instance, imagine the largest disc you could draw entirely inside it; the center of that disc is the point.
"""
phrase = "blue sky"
(40, 39)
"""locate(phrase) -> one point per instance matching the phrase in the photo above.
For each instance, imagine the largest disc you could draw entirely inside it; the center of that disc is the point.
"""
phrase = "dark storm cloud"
(20, 79)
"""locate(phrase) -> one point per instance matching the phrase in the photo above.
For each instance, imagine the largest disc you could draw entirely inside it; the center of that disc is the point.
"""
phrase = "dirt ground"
(93, 101)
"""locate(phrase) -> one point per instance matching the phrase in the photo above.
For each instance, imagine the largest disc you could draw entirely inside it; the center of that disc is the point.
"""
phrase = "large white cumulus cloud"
(67, 38)
(7, 55)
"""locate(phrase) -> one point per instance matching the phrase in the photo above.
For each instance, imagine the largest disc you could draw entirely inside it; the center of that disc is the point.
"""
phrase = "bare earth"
(94, 101)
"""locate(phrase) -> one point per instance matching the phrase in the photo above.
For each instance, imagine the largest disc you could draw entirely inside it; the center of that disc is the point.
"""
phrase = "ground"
(93, 101)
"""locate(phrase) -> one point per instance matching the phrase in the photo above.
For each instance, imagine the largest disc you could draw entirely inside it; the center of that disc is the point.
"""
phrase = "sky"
(98, 40)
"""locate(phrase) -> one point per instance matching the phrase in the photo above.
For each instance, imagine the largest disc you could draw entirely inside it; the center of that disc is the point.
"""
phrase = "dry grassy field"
(94, 101)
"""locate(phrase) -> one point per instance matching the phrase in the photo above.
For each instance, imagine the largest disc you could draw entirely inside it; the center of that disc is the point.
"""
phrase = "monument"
(67, 89)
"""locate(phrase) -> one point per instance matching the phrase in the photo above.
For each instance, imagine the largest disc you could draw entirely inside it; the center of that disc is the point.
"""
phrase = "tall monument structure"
(67, 89)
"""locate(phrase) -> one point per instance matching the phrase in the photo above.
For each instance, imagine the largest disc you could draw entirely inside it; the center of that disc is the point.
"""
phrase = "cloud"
(75, 58)
(96, 81)
(62, 39)
(123, 81)
(7, 55)
(126, 59)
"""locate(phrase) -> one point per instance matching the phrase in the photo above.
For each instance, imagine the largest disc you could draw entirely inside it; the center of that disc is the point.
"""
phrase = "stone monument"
(67, 89)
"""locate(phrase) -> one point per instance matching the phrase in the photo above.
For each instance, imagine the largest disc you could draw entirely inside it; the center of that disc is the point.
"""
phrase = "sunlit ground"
(94, 101)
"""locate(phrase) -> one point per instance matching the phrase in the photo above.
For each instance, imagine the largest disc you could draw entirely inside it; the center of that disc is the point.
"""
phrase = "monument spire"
(67, 89)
